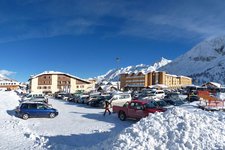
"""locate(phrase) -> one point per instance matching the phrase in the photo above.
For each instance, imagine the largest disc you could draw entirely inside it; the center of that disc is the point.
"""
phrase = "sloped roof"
(215, 84)
(107, 87)
(56, 73)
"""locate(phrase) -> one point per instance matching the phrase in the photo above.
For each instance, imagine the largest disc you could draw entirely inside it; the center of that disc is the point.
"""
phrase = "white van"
(120, 99)
(31, 96)
(159, 94)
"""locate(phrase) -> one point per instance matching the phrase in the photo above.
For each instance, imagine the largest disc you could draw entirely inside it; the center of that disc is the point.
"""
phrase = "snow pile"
(15, 133)
(174, 129)
(220, 96)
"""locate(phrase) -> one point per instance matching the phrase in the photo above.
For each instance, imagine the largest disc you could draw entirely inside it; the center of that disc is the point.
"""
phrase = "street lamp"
(117, 68)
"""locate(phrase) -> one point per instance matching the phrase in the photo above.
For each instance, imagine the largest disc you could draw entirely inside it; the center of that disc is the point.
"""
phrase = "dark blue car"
(35, 109)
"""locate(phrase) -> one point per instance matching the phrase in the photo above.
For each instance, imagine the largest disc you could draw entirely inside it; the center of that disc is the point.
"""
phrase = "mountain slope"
(113, 75)
(3, 78)
(205, 62)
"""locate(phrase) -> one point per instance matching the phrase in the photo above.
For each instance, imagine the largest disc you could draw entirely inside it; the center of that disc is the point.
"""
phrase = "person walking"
(107, 106)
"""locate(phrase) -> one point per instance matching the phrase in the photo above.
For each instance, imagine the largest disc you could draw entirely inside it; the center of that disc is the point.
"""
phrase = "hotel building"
(51, 82)
(9, 84)
(140, 80)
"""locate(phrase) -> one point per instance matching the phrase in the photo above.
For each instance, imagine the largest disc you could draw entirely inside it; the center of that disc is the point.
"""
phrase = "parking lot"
(76, 126)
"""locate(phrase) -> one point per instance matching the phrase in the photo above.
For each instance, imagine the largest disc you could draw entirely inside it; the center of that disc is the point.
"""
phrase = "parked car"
(35, 109)
(120, 99)
(172, 95)
(193, 98)
(137, 109)
(31, 96)
(76, 98)
(39, 99)
(175, 102)
(159, 94)
(136, 95)
(83, 99)
(59, 95)
(174, 98)
(67, 97)
(91, 98)
(100, 101)
(161, 103)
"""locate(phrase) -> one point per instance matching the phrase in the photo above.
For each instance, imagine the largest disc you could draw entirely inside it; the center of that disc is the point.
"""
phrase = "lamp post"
(117, 68)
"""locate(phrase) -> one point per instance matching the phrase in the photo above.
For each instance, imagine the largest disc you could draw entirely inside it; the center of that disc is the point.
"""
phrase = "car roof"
(121, 94)
(32, 102)
(141, 101)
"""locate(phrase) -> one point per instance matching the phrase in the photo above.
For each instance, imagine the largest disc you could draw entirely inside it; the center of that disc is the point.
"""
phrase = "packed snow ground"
(177, 129)
(77, 126)
(81, 127)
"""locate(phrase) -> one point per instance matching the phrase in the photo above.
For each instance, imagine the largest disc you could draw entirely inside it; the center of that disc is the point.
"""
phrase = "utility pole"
(117, 68)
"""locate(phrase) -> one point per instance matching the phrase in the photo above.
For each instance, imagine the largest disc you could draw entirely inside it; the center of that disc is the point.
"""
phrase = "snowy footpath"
(76, 127)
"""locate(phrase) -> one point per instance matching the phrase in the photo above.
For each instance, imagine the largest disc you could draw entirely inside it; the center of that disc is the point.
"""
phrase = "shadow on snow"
(76, 141)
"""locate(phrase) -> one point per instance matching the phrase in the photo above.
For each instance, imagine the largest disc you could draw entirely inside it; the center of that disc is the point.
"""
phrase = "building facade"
(51, 82)
(9, 85)
(140, 80)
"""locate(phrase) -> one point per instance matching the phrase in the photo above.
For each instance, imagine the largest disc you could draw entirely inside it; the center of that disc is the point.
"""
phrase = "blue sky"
(84, 37)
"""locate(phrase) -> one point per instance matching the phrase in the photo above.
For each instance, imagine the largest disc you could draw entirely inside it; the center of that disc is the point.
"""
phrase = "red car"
(137, 109)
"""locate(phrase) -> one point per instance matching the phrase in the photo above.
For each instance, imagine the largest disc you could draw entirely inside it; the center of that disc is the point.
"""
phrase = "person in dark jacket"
(107, 106)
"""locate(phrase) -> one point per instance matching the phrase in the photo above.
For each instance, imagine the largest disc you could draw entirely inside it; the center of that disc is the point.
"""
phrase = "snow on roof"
(9, 81)
(159, 85)
(185, 77)
(215, 84)
(172, 75)
(56, 73)
(144, 73)
(107, 87)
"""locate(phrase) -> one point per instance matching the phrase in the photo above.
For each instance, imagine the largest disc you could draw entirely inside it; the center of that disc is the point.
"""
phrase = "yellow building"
(9, 85)
(51, 82)
(140, 80)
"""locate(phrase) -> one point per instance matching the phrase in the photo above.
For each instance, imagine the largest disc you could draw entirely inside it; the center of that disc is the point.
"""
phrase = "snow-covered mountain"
(4, 78)
(113, 75)
(205, 62)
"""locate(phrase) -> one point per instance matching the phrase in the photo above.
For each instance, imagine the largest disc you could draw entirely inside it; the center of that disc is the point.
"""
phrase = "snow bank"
(174, 129)
(14, 132)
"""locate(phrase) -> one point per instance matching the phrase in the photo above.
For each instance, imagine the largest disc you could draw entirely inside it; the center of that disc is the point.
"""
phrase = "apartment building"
(140, 80)
(51, 82)
(9, 85)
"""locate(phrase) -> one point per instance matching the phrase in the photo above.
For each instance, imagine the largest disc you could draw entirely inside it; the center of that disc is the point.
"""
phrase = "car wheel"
(25, 116)
(122, 116)
(52, 115)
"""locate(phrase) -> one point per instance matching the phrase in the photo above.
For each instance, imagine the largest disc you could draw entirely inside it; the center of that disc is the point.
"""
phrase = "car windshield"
(107, 97)
(151, 104)
(29, 96)
(161, 103)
